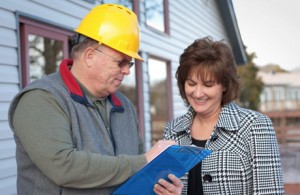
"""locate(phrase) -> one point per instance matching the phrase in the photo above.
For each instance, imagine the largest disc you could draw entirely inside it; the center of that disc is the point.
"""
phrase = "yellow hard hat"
(113, 25)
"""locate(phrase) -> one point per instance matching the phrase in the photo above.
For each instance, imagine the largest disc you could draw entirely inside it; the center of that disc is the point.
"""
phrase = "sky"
(271, 29)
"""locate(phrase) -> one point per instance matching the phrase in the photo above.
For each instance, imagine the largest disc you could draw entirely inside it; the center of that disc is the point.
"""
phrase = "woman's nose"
(198, 91)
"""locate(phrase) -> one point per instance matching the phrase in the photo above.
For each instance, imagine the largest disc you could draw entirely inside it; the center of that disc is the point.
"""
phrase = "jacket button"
(214, 138)
(207, 178)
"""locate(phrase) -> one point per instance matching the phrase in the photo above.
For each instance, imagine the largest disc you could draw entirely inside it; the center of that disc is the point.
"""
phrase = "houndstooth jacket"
(245, 157)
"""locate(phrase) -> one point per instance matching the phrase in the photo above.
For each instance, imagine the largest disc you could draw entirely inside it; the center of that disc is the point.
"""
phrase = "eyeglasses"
(121, 63)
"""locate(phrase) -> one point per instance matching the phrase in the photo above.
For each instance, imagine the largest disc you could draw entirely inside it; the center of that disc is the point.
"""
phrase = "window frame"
(37, 27)
(165, 19)
(169, 87)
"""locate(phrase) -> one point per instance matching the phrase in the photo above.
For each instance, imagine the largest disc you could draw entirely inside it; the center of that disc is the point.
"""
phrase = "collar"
(76, 92)
(229, 118)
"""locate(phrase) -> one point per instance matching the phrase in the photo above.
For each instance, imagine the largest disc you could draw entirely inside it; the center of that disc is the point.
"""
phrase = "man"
(75, 133)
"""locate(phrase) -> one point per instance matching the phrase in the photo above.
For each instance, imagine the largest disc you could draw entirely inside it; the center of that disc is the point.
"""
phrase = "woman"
(245, 157)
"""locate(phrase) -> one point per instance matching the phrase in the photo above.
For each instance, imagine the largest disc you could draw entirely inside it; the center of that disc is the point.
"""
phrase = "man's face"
(107, 70)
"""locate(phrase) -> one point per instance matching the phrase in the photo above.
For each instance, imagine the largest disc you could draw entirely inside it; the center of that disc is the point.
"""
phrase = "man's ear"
(89, 56)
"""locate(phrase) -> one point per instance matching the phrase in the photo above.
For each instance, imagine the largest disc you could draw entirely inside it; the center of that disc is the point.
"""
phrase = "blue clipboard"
(176, 159)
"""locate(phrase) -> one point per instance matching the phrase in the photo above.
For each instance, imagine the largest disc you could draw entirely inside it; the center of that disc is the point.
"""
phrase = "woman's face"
(204, 96)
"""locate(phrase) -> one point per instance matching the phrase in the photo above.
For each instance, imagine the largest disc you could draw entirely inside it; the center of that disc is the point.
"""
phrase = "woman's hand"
(164, 187)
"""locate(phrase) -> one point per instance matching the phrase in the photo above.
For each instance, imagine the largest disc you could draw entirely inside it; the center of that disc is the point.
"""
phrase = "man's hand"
(160, 146)
(166, 188)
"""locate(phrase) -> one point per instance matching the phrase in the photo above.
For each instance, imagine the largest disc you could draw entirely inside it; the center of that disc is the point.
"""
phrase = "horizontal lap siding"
(189, 20)
(9, 86)
(9, 79)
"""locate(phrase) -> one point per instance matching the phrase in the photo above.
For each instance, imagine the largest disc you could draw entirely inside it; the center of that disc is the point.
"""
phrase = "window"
(263, 96)
(156, 13)
(279, 93)
(42, 48)
(159, 93)
(45, 55)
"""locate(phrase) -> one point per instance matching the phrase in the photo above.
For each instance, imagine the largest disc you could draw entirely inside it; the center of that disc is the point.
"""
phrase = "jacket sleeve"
(267, 173)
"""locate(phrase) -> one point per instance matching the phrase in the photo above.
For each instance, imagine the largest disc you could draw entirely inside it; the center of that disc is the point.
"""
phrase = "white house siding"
(9, 79)
(189, 20)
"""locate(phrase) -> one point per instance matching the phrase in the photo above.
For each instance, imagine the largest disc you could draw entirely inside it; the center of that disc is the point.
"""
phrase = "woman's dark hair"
(209, 58)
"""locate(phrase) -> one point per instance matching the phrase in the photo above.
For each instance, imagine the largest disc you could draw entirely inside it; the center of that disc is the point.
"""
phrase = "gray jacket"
(83, 158)
(245, 157)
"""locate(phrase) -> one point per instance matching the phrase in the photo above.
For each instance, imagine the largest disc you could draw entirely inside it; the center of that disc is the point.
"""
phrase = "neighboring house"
(35, 35)
(280, 100)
